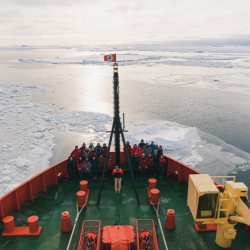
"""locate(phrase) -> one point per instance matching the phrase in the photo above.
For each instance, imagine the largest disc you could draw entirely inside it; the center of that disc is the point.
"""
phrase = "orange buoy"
(33, 224)
(170, 219)
(81, 197)
(9, 224)
(66, 223)
(151, 183)
(84, 186)
(155, 195)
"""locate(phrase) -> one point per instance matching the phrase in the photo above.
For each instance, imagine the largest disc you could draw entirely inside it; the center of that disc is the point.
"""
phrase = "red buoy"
(170, 219)
(84, 186)
(66, 223)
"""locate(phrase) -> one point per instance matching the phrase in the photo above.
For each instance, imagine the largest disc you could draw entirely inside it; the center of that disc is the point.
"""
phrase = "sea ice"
(29, 129)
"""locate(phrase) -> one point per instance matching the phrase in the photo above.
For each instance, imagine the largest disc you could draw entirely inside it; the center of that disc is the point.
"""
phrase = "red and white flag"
(110, 58)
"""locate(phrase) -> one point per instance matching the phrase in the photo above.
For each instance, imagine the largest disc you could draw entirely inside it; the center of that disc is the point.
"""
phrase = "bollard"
(84, 186)
(33, 224)
(9, 224)
(155, 195)
(151, 183)
(170, 219)
(81, 197)
(66, 223)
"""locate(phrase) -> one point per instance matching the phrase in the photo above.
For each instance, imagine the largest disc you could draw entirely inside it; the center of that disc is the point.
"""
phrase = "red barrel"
(84, 186)
(81, 197)
(170, 219)
(9, 224)
(65, 222)
(154, 195)
(33, 224)
(151, 183)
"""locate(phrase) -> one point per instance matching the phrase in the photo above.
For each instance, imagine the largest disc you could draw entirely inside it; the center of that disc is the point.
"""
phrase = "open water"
(209, 90)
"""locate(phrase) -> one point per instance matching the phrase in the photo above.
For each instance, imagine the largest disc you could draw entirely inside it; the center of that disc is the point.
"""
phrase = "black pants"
(72, 173)
(143, 172)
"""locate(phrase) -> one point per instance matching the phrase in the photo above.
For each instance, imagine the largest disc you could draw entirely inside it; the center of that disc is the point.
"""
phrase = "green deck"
(114, 209)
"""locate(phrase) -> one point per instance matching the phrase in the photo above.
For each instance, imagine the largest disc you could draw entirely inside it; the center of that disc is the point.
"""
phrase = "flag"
(110, 58)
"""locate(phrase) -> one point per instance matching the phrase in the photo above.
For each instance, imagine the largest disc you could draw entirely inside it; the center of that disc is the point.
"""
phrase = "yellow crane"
(209, 205)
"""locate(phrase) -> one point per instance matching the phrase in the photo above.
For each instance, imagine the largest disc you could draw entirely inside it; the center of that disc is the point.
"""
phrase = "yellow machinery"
(209, 206)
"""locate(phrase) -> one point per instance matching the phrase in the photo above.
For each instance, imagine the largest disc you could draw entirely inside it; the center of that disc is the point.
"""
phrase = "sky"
(90, 22)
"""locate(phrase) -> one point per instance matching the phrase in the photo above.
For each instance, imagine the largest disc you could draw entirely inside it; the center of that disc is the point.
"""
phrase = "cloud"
(95, 21)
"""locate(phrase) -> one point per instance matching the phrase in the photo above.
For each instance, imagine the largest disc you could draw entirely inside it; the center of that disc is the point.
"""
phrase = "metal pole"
(105, 164)
(129, 164)
(116, 114)
(159, 222)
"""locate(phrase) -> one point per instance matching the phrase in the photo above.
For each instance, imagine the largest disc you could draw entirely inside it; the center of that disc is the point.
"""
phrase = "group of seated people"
(88, 161)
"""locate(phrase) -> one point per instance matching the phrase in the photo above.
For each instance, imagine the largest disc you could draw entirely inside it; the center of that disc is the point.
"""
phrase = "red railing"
(27, 190)
(178, 169)
(89, 226)
(148, 224)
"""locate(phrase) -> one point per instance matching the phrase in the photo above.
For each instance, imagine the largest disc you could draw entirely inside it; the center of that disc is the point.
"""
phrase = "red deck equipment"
(66, 225)
(90, 238)
(170, 219)
(205, 227)
(146, 234)
(118, 236)
(154, 196)
(84, 186)
(32, 230)
(151, 185)
(38, 183)
(81, 198)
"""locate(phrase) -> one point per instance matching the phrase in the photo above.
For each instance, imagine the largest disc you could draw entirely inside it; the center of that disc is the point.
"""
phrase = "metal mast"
(116, 114)
(117, 130)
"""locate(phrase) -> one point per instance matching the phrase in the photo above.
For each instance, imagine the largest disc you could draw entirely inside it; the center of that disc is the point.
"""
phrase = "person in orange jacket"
(162, 164)
(118, 173)
(143, 165)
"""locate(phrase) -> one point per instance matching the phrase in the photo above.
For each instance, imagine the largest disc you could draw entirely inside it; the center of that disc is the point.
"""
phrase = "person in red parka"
(129, 151)
(162, 165)
(76, 153)
(134, 150)
(150, 165)
(110, 165)
(143, 165)
(118, 173)
(140, 152)
(101, 161)
(80, 166)
(93, 154)
(83, 147)
(104, 150)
